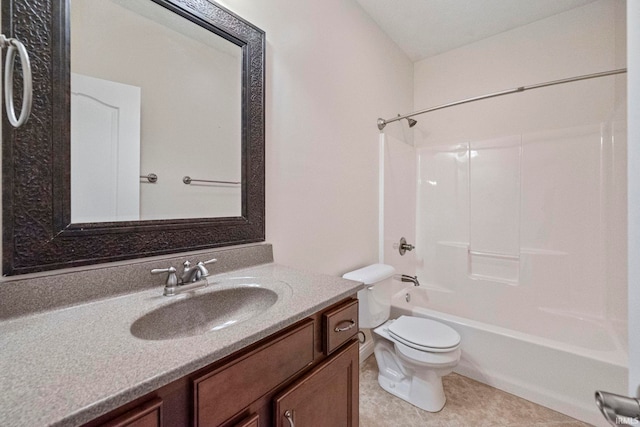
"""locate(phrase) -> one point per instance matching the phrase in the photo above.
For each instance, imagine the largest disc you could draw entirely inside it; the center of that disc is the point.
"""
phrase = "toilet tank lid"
(371, 274)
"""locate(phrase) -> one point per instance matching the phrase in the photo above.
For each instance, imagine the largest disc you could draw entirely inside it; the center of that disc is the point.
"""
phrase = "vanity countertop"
(67, 366)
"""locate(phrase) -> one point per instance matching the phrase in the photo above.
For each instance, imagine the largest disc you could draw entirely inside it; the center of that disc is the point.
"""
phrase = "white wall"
(580, 41)
(331, 73)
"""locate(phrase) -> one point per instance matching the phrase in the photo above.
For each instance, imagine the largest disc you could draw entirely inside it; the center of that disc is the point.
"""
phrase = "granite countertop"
(67, 366)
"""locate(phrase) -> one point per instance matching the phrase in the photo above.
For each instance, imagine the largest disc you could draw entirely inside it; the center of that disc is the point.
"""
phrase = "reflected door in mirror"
(105, 150)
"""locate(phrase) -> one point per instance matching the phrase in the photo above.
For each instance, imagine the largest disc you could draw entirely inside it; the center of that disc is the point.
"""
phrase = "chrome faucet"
(195, 273)
(191, 277)
(410, 279)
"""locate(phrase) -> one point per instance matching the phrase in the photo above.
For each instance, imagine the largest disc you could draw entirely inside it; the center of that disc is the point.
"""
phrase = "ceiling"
(424, 28)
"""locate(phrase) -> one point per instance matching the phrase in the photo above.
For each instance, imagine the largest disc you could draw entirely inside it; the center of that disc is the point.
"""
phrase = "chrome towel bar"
(189, 180)
(152, 177)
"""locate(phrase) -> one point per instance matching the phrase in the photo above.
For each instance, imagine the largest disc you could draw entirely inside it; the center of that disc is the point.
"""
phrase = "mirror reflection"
(152, 94)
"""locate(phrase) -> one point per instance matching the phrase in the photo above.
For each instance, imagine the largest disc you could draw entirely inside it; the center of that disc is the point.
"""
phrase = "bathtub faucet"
(410, 279)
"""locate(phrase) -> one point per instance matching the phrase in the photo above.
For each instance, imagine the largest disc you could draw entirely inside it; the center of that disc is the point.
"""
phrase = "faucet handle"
(172, 279)
(202, 264)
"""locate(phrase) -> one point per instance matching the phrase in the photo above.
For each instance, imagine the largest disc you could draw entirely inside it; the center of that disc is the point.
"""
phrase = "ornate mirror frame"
(37, 231)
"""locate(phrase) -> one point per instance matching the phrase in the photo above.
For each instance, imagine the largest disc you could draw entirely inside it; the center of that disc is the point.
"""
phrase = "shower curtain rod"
(382, 122)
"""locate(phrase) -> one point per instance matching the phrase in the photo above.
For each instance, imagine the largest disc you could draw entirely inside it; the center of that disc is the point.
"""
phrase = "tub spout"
(410, 279)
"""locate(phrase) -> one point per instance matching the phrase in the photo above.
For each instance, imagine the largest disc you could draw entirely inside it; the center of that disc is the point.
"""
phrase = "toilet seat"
(424, 334)
(412, 356)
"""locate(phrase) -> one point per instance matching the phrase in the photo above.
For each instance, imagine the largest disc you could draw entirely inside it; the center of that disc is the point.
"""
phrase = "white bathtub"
(559, 367)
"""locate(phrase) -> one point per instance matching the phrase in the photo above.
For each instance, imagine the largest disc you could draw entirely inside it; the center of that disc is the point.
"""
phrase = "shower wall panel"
(525, 221)
(494, 209)
(399, 202)
(442, 219)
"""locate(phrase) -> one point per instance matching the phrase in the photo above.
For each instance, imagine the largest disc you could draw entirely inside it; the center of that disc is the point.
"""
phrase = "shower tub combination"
(533, 362)
(520, 234)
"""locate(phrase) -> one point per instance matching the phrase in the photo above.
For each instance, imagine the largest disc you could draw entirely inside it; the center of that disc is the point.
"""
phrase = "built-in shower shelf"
(536, 251)
(494, 266)
(464, 245)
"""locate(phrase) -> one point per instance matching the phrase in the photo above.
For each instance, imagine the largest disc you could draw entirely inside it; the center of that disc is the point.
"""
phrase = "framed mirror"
(146, 135)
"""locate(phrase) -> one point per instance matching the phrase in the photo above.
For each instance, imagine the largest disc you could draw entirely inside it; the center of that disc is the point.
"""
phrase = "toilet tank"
(374, 302)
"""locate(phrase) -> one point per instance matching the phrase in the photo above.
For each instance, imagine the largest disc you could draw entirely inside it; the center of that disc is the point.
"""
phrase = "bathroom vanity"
(308, 373)
(98, 362)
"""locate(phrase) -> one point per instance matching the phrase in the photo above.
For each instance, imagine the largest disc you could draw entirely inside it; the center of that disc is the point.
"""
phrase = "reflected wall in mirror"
(185, 112)
(152, 93)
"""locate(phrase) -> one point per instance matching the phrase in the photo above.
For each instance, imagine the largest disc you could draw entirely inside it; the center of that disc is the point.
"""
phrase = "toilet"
(412, 353)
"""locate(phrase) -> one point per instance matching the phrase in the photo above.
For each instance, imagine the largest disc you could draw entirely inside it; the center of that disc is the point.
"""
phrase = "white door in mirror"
(105, 150)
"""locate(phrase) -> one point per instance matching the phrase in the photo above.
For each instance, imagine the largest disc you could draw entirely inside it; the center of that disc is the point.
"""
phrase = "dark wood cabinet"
(326, 397)
(220, 394)
(309, 369)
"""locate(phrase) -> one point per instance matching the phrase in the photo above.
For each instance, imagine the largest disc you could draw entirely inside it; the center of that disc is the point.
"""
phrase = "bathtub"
(557, 367)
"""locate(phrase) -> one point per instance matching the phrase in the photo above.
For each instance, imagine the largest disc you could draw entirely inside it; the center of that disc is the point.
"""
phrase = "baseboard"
(366, 350)
(536, 395)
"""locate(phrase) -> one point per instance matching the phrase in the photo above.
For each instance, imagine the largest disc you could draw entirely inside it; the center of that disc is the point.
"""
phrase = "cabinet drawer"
(340, 324)
(148, 414)
(224, 392)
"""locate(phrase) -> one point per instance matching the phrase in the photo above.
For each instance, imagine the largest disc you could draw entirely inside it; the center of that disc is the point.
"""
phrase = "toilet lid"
(424, 334)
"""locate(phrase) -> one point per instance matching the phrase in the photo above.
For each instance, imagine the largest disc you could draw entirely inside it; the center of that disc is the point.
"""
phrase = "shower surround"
(520, 247)
(522, 240)
(530, 220)
(520, 208)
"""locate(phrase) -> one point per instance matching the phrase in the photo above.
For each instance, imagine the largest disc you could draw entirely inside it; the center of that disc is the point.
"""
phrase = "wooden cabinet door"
(326, 397)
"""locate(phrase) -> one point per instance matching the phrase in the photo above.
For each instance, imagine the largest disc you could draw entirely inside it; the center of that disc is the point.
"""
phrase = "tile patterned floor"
(469, 403)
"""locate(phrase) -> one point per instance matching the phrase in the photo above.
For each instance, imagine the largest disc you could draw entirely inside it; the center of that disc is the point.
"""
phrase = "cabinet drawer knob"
(289, 418)
(351, 324)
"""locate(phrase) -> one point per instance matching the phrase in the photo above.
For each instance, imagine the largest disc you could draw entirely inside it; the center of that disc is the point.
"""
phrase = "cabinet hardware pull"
(15, 46)
(352, 323)
(289, 418)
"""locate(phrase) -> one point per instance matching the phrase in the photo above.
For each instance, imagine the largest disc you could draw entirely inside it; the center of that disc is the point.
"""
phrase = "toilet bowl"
(412, 353)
